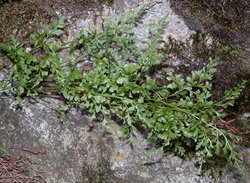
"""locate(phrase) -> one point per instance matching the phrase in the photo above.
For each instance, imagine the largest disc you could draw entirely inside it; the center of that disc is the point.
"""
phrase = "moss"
(20, 19)
(226, 20)
(216, 168)
(197, 50)
(95, 175)
(107, 2)
(99, 174)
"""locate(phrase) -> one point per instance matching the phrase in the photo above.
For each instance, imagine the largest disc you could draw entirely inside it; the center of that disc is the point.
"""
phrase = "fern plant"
(179, 116)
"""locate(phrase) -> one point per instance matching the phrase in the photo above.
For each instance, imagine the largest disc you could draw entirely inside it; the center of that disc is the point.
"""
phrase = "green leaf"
(59, 24)
(121, 80)
(99, 99)
(54, 47)
(187, 133)
(3, 86)
(45, 73)
(57, 32)
(4, 150)
(113, 88)
(46, 30)
(130, 68)
(172, 86)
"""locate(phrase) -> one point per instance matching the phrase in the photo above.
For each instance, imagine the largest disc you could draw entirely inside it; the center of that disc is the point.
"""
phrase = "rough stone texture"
(78, 152)
(73, 146)
(135, 166)
(69, 145)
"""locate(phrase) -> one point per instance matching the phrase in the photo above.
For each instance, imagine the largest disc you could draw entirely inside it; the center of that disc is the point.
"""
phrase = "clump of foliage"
(178, 115)
(3, 150)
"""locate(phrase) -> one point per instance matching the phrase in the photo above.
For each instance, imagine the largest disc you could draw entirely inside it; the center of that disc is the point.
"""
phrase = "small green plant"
(3, 150)
(179, 116)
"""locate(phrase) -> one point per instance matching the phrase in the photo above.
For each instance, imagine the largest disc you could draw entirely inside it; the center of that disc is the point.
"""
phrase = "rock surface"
(79, 152)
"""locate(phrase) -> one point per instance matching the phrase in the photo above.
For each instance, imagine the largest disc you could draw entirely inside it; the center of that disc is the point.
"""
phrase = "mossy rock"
(225, 19)
(99, 174)
(21, 19)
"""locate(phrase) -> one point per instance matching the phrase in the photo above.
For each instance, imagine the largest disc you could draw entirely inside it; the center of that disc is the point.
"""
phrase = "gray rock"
(77, 152)
(69, 146)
